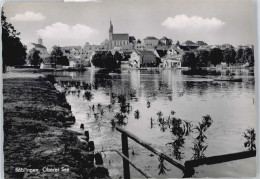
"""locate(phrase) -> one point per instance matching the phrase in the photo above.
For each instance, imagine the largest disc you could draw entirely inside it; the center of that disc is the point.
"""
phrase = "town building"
(174, 55)
(117, 40)
(190, 45)
(225, 46)
(142, 58)
(40, 47)
(150, 42)
(47, 63)
(201, 43)
(165, 41)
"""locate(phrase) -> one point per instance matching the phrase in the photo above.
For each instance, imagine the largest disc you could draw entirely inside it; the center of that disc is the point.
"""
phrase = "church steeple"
(40, 40)
(110, 30)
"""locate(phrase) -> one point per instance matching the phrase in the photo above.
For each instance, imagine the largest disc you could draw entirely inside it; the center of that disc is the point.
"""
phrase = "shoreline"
(36, 142)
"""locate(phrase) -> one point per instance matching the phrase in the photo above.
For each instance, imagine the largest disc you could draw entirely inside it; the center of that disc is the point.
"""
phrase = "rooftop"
(38, 45)
(145, 52)
(120, 37)
(150, 38)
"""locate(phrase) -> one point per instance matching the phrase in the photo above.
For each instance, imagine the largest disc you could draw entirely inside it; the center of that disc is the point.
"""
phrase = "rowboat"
(226, 78)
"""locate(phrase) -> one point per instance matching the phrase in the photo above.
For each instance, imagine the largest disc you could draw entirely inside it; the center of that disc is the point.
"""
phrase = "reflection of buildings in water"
(156, 81)
(167, 77)
(91, 75)
(135, 79)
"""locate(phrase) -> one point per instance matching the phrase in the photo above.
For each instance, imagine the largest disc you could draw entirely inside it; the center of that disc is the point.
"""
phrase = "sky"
(74, 23)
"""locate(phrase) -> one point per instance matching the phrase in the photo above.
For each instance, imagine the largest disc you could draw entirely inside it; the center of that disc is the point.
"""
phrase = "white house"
(135, 59)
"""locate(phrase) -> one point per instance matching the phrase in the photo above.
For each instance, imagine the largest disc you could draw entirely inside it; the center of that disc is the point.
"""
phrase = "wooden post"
(82, 126)
(125, 152)
(87, 135)
(91, 148)
(98, 159)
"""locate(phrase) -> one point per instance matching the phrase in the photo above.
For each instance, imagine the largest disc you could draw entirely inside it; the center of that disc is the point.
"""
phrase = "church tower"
(110, 35)
(40, 40)
(110, 31)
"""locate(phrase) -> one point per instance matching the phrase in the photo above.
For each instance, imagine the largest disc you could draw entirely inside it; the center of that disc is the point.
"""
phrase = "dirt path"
(36, 143)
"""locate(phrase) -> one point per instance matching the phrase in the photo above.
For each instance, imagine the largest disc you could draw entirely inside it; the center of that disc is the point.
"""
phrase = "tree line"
(216, 56)
(56, 57)
(14, 52)
(105, 59)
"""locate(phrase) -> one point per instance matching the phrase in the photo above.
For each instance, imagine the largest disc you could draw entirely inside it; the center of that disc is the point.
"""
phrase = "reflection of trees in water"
(192, 87)
(102, 80)
(202, 72)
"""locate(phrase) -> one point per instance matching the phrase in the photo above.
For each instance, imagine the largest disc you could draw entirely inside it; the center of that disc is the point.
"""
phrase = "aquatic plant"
(88, 95)
(99, 106)
(173, 112)
(96, 116)
(199, 149)
(132, 93)
(120, 119)
(178, 131)
(137, 114)
(177, 144)
(160, 114)
(102, 112)
(148, 104)
(161, 166)
(151, 122)
(163, 127)
(199, 143)
(187, 127)
(249, 135)
(121, 99)
(113, 122)
(109, 107)
(123, 108)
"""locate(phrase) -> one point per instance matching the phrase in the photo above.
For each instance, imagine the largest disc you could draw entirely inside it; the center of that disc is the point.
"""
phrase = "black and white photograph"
(129, 89)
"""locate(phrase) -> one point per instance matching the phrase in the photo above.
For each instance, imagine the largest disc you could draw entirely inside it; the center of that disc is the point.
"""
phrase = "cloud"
(28, 16)
(182, 22)
(66, 34)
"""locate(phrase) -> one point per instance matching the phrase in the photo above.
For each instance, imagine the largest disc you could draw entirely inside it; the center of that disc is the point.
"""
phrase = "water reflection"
(162, 106)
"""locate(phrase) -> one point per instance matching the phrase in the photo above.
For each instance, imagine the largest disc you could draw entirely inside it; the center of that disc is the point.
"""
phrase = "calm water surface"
(190, 95)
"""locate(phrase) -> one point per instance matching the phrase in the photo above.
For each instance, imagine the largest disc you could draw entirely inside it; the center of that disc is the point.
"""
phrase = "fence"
(188, 168)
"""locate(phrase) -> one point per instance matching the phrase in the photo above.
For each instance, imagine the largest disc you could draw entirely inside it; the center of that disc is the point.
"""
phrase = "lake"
(182, 94)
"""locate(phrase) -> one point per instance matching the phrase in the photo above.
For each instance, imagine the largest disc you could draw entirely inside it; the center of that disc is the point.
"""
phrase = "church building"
(117, 40)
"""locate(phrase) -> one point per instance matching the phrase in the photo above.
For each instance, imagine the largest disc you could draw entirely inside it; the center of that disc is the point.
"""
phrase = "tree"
(13, 51)
(248, 56)
(96, 59)
(239, 54)
(138, 41)
(202, 58)
(34, 57)
(229, 56)
(118, 57)
(106, 60)
(189, 60)
(56, 54)
(216, 56)
(64, 61)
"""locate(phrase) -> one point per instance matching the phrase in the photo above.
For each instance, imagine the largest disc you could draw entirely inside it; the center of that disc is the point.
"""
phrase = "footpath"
(36, 141)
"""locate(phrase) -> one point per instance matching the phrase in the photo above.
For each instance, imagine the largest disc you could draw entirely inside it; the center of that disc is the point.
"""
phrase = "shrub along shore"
(36, 143)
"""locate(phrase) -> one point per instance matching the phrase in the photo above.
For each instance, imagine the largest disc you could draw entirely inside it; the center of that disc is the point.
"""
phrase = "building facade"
(142, 58)
(117, 40)
(151, 42)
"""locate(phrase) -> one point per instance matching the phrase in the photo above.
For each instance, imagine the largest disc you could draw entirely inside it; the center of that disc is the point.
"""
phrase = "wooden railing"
(188, 168)
(124, 135)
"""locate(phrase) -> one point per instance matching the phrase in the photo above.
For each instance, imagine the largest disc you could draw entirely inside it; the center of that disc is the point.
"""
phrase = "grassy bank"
(34, 134)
